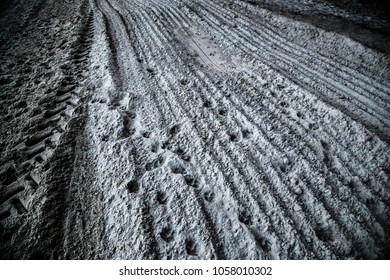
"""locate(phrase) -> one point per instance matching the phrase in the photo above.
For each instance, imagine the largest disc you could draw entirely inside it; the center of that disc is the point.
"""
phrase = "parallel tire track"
(214, 137)
(266, 158)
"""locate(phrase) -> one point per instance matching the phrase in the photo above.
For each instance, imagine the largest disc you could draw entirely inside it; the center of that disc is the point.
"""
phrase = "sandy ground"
(213, 129)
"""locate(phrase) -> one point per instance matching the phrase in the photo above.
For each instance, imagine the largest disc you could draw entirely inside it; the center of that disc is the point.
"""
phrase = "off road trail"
(160, 129)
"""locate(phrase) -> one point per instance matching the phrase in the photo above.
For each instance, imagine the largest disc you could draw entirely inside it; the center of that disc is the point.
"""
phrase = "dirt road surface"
(161, 129)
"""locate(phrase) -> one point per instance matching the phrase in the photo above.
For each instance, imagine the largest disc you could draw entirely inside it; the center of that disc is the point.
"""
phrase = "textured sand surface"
(162, 129)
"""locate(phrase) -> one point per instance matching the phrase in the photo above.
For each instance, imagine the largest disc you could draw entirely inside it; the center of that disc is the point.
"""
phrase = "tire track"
(52, 114)
(369, 76)
(263, 172)
(220, 256)
(57, 108)
(299, 51)
(290, 70)
(274, 116)
(218, 248)
(201, 132)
